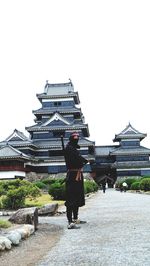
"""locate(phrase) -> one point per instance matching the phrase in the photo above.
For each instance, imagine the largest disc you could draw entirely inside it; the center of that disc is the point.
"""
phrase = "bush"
(90, 186)
(50, 181)
(96, 187)
(14, 193)
(143, 177)
(40, 184)
(14, 199)
(145, 184)
(57, 191)
(129, 182)
(135, 185)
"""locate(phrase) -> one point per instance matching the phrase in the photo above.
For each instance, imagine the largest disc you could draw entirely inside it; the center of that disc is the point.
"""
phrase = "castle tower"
(131, 159)
(58, 116)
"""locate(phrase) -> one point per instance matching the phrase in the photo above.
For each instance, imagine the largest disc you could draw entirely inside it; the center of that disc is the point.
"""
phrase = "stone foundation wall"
(32, 176)
(40, 176)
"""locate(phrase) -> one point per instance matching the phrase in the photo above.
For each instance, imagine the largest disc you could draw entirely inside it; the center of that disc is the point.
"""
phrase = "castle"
(59, 115)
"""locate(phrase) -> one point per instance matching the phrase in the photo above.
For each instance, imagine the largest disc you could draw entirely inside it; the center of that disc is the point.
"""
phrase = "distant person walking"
(74, 181)
(104, 187)
(124, 186)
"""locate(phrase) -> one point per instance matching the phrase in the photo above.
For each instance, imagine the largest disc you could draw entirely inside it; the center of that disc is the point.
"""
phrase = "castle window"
(77, 116)
(57, 103)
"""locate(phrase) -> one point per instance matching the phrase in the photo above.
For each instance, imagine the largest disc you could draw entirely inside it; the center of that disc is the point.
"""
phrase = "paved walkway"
(117, 233)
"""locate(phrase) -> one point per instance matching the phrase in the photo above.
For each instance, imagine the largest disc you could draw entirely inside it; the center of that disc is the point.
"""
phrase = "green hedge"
(135, 185)
(50, 181)
(57, 191)
(90, 186)
(145, 184)
(40, 184)
(142, 183)
(143, 177)
(129, 182)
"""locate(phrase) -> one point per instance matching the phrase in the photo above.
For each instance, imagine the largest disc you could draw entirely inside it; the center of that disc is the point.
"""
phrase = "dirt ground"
(31, 250)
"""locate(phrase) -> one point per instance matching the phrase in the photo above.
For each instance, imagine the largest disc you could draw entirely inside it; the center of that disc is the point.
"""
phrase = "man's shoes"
(73, 226)
(78, 221)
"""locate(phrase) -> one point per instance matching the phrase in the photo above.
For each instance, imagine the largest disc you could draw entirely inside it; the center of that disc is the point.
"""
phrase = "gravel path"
(117, 233)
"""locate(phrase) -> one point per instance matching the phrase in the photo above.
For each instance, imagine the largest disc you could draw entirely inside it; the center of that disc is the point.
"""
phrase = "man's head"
(74, 138)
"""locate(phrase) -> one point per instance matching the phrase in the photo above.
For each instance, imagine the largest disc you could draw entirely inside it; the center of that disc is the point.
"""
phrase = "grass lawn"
(42, 200)
(4, 224)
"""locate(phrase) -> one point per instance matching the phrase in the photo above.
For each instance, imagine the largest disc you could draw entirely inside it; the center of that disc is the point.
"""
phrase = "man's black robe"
(74, 187)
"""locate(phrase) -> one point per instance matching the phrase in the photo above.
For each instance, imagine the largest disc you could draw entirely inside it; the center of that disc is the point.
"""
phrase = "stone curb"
(13, 236)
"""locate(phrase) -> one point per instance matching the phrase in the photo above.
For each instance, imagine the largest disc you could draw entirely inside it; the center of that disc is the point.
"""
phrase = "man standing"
(74, 181)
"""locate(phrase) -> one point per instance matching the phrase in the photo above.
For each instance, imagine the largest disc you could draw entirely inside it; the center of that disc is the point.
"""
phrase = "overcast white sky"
(103, 46)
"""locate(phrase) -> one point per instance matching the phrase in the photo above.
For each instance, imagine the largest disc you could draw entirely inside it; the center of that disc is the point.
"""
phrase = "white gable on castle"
(130, 129)
(17, 135)
(56, 117)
